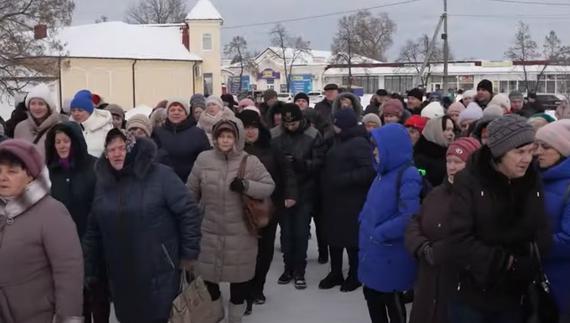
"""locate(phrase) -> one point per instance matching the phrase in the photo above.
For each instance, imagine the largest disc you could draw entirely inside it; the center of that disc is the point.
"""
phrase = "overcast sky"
(480, 29)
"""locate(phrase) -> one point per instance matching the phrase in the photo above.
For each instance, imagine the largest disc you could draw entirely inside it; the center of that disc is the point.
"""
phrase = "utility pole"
(445, 50)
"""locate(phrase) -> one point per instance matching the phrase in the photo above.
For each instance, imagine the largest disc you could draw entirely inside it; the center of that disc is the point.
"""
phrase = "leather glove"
(238, 185)
(187, 265)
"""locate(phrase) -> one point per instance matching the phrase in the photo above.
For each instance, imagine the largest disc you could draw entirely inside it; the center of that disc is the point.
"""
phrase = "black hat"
(382, 92)
(301, 95)
(291, 113)
(329, 87)
(416, 93)
(485, 85)
(249, 118)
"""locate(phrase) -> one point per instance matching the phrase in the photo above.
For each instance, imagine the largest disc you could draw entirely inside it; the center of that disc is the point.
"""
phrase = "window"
(206, 41)
(400, 84)
(368, 83)
(208, 84)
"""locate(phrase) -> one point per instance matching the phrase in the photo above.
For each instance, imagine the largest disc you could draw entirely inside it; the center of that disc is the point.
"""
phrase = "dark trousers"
(238, 291)
(97, 303)
(295, 227)
(461, 313)
(321, 242)
(336, 260)
(385, 307)
(265, 252)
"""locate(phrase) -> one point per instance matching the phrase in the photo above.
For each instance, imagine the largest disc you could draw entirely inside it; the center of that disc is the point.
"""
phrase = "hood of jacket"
(237, 127)
(207, 121)
(97, 120)
(143, 162)
(560, 171)
(270, 112)
(356, 105)
(394, 147)
(78, 144)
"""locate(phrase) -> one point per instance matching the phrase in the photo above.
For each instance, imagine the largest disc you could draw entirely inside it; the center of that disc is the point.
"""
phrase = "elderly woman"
(229, 246)
(215, 111)
(41, 271)
(140, 126)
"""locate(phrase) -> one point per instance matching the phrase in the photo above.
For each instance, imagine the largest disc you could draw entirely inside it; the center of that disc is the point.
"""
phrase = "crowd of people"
(461, 208)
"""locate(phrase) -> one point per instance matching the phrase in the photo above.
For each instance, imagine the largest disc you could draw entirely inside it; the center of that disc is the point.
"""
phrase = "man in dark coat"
(484, 93)
(19, 114)
(325, 106)
(304, 147)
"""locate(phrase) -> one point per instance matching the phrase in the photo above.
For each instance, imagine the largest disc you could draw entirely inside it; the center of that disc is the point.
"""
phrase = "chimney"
(40, 31)
(186, 37)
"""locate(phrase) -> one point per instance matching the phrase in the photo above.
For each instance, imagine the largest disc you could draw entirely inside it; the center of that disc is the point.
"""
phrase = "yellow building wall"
(211, 59)
(112, 79)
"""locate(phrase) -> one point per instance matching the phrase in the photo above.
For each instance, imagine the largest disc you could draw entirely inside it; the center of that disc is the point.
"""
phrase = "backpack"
(426, 185)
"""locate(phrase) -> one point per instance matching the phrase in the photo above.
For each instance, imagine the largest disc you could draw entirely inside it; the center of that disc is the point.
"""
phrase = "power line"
(515, 17)
(538, 3)
(322, 15)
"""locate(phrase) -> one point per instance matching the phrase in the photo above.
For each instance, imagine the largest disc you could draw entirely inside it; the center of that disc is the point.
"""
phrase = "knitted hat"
(516, 95)
(198, 105)
(345, 118)
(493, 110)
(179, 102)
(501, 100)
(116, 110)
(557, 135)
(216, 100)
(249, 118)
(372, 117)
(83, 100)
(433, 110)
(416, 93)
(301, 95)
(290, 112)
(508, 132)
(142, 122)
(469, 94)
(381, 92)
(252, 108)
(246, 103)
(456, 107)
(485, 85)
(269, 94)
(42, 92)
(472, 112)
(463, 147)
(544, 116)
(97, 99)
(417, 122)
(393, 107)
(229, 99)
(197, 98)
(27, 153)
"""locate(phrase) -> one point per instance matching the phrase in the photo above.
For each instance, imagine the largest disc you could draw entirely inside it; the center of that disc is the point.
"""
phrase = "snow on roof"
(317, 57)
(204, 10)
(117, 39)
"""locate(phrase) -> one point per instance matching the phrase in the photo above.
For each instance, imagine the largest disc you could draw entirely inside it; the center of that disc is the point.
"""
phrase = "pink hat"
(246, 103)
(27, 153)
(557, 135)
(393, 107)
(456, 107)
(463, 147)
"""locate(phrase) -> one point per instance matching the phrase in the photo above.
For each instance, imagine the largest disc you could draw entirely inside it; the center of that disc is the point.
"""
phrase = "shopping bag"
(193, 304)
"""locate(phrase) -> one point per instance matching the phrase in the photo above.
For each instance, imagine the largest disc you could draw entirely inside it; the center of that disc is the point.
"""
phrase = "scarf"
(33, 193)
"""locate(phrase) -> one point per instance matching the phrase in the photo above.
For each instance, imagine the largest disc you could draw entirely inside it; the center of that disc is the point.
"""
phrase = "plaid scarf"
(33, 192)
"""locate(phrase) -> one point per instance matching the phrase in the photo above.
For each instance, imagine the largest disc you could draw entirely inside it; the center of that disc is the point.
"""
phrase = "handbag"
(257, 213)
(193, 304)
(538, 303)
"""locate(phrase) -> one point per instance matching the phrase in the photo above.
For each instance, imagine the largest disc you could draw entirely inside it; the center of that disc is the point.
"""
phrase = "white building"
(307, 71)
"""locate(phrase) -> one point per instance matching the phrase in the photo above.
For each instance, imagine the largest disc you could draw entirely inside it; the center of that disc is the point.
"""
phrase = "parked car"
(285, 97)
(316, 96)
(550, 101)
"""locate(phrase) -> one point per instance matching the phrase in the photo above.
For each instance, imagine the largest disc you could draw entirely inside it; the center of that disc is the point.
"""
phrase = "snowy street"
(285, 304)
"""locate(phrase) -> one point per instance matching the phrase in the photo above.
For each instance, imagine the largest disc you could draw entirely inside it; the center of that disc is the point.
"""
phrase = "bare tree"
(101, 19)
(237, 50)
(554, 53)
(156, 12)
(415, 52)
(288, 50)
(21, 54)
(346, 45)
(523, 49)
(375, 33)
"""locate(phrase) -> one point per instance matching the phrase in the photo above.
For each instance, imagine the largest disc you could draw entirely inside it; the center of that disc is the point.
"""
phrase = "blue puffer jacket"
(385, 266)
(144, 221)
(557, 262)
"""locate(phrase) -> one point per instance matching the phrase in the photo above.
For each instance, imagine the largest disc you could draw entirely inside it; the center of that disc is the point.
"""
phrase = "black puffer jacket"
(307, 148)
(74, 187)
(430, 157)
(492, 218)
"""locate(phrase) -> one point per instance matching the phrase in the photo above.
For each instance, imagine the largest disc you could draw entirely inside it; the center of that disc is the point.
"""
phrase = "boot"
(216, 312)
(235, 313)
(350, 284)
(333, 279)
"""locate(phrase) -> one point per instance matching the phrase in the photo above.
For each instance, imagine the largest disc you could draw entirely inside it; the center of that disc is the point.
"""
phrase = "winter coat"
(492, 218)
(74, 187)
(229, 250)
(563, 112)
(323, 125)
(345, 179)
(270, 112)
(384, 264)
(431, 286)
(30, 131)
(207, 122)
(19, 114)
(307, 148)
(324, 108)
(41, 276)
(180, 144)
(356, 105)
(557, 262)
(95, 130)
(430, 157)
(144, 222)
(278, 166)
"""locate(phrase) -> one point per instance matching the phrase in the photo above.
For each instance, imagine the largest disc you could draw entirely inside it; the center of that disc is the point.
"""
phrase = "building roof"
(314, 57)
(120, 40)
(204, 10)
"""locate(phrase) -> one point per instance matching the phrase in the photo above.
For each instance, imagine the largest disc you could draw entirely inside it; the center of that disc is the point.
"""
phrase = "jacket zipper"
(168, 256)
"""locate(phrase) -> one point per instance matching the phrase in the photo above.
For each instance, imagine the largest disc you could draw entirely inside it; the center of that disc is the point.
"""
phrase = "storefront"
(268, 79)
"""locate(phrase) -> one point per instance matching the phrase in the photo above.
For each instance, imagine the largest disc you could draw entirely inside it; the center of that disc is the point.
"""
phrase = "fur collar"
(144, 161)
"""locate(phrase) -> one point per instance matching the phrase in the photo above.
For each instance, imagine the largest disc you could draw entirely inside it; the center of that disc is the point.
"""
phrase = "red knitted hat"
(463, 147)
(417, 122)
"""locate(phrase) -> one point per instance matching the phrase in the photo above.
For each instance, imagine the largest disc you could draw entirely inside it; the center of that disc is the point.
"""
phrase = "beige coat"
(207, 122)
(29, 130)
(228, 250)
(41, 262)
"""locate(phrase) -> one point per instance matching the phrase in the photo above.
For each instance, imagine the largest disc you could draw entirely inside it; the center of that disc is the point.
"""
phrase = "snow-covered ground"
(285, 304)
